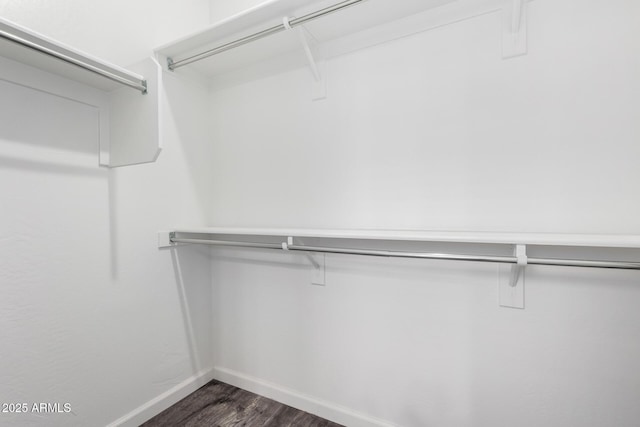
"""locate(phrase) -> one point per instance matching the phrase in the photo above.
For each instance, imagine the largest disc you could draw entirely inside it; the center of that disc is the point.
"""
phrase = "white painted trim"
(163, 401)
(321, 408)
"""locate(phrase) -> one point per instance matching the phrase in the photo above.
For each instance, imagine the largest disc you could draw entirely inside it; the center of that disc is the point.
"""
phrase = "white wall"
(436, 131)
(119, 31)
(221, 9)
(92, 313)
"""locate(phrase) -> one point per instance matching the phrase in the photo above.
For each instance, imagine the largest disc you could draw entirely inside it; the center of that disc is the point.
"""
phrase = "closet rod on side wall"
(620, 265)
(26, 39)
(172, 65)
(228, 243)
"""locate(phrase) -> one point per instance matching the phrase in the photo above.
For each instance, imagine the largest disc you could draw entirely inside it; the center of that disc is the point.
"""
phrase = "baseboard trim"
(155, 406)
(327, 410)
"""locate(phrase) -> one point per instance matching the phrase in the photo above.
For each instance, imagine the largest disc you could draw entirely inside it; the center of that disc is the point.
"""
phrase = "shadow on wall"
(195, 297)
(186, 107)
(44, 134)
(8, 162)
(38, 118)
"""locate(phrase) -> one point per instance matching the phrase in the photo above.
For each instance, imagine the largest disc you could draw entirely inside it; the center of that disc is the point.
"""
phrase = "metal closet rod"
(172, 65)
(72, 59)
(620, 265)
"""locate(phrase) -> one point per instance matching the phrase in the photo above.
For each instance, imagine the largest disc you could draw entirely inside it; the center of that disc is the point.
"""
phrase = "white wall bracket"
(514, 28)
(312, 260)
(164, 239)
(317, 261)
(316, 62)
(511, 280)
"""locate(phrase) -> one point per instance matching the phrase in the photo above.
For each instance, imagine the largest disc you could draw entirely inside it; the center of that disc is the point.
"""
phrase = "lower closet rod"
(621, 265)
(228, 243)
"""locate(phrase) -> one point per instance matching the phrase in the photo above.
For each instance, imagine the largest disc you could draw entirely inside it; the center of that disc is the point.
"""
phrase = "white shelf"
(128, 119)
(541, 239)
(338, 25)
(16, 49)
(365, 24)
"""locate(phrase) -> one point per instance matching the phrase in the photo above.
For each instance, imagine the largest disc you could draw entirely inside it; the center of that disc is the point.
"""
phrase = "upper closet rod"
(30, 41)
(172, 65)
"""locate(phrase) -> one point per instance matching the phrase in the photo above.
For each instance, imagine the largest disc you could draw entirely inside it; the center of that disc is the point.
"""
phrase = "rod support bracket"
(317, 261)
(511, 280)
(514, 28)
(285, 245)
(314, 59)
(518, 269)
(318, 274)
(165, 239)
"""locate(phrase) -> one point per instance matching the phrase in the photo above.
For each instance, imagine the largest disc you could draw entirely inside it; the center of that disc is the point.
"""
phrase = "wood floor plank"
(222, 405)
(213, 395)
(291, 417)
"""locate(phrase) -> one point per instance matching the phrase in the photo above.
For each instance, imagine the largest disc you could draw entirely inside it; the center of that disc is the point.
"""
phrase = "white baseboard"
(327, 410)
(165, 400)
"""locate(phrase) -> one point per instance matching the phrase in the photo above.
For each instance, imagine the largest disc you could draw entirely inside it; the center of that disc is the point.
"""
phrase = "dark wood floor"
(221, 405)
